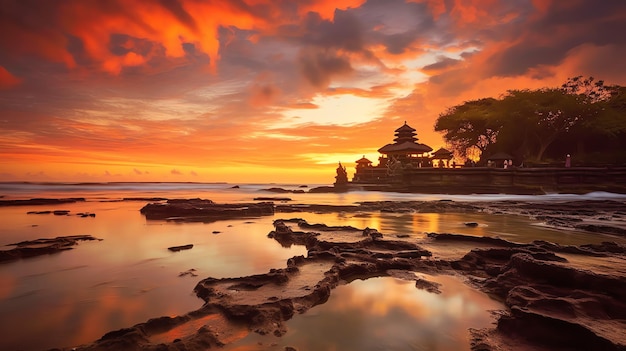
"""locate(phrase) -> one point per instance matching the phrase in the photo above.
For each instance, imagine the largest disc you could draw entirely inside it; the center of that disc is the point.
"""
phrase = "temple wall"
(515, 180)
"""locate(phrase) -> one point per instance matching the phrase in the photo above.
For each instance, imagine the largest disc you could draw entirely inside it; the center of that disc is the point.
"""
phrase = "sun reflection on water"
(385, 314)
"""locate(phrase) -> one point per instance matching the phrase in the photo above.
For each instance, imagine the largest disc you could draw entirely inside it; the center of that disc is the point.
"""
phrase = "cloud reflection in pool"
(386, 314)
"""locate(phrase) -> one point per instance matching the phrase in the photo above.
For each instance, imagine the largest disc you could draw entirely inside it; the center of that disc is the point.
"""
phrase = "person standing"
(568, 161)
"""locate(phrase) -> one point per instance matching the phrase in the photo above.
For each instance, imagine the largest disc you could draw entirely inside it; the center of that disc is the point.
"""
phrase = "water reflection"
(385, 314)
(78, 295)
(415, 226)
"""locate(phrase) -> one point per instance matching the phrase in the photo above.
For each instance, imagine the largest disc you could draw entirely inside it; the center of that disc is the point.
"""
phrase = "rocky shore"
(40, 201)
(557, 297)
(44, 246)
(204, 210)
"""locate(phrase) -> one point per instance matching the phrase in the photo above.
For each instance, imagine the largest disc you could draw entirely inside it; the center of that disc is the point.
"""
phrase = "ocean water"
(76, 296)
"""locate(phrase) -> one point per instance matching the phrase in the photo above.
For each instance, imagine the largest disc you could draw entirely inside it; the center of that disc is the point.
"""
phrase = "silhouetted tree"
(533, 124)
(473, 123)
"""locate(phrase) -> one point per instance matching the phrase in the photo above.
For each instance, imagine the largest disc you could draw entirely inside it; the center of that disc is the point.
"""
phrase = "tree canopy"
(583, 117)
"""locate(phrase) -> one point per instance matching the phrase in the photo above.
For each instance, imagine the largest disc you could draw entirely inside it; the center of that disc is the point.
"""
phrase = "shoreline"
(521, 275)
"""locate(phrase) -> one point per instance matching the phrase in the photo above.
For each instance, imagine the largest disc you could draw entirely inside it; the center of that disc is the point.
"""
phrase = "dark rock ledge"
(204, 210)
(551, 303)
(32, 248)
(180, 248)
(40, 201)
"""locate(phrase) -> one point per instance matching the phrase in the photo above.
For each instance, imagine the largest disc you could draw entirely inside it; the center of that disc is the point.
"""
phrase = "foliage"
(471, 124)
(582, 116)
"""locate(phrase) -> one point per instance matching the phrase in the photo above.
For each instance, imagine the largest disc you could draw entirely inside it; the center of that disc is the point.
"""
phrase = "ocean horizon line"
(151, 182)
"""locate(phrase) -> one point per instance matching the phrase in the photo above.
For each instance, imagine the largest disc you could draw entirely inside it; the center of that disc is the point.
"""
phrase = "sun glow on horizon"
(338, 110)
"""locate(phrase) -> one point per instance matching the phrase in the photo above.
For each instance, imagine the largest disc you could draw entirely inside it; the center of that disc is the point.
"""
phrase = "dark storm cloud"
(408, 22)
(442, 63)
(177, 9)
(548, 39)
(121, 44)
(344, 32)
(318, 67)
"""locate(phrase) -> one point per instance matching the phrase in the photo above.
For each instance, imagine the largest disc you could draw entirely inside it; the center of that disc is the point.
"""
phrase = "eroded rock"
(40, 201)
(45, 246)
(180, 248)
(204, 210)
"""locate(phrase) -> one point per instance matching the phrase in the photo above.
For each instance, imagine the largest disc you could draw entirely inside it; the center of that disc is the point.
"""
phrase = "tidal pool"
(385, 314)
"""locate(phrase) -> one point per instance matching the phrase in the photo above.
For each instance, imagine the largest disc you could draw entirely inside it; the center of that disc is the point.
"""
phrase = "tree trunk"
(543, 145)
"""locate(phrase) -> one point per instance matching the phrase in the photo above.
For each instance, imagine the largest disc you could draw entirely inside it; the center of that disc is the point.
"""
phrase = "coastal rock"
(597, 228)
(470, 238)
(323, 227)
(551, 302)
(431, 287)
(45, 246)
(190, 272)
(40, 201)
(372, 233)
(144, 199)
(327, 189)
(180, 248)
(86, 214)
(39, 212)
(204, 210)
(268, 198)
(283, 191)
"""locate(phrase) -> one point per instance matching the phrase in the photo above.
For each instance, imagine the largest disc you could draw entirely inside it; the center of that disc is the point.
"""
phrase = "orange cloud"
(326, 8)
(168, 24)
(7, 80)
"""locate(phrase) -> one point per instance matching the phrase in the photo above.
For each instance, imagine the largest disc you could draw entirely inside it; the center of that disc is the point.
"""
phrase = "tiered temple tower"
(404, 152)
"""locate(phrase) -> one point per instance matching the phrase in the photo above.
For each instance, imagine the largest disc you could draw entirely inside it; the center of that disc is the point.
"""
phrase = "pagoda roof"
(405, 146)
(500, 156)
(442, 153)
(405, 128)
(363, 160)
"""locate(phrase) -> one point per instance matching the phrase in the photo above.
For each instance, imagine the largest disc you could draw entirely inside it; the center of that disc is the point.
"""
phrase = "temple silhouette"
(406, 165)
(404, 153)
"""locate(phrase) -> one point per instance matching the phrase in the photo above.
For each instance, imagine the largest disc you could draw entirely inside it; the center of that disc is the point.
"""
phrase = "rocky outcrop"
(180, 248)
(475, 239)
(204, 210)
(551, 303)
(283, 191)
(272, 198)
(46, 246)
(40, 201)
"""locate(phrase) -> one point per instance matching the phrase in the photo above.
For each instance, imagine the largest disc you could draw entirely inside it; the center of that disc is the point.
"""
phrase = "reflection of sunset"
(389, 314)
(259, 90)
(427, 222)
(127, 278)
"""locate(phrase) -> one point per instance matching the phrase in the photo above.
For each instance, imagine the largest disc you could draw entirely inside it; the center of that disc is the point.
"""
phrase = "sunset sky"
(268, 90)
